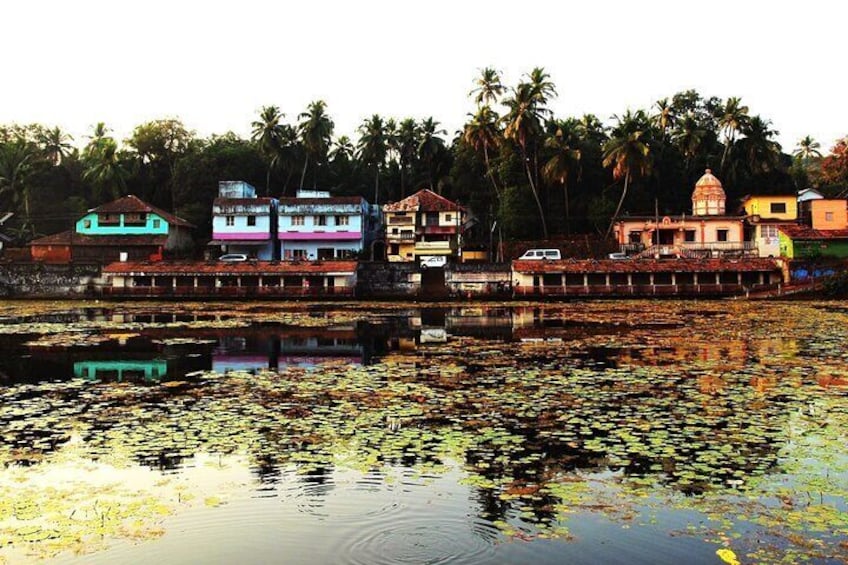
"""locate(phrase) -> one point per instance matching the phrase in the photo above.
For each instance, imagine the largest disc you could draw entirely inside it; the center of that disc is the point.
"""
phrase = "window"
(721, 235)
(448, 217)
(778, 207)
(298, 253)
(768, 232)
(86, 224)
(297, 220)
(251, 220)
(342, 220)
(157, 224)
(828, 216)
(689, 236)
(635, 236)
(231, 220)
(319, 220)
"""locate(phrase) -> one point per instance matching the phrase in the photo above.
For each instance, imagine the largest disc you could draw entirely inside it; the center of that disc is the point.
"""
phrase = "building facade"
(244, 223)
(765, 214)
(708, 232)
(424, 224)
(125, 229)
(314, 225)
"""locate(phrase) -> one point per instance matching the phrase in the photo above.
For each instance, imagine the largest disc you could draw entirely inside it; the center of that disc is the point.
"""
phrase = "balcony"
(694, 250)
(401, 237)
(435, 247)
(401, 220)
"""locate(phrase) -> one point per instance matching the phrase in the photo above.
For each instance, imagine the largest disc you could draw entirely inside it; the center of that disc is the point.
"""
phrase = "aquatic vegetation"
(734, 412)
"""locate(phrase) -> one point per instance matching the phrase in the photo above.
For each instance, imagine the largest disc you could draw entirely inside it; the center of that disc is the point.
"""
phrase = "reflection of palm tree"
(316, 129)
(373, 147)
(629, 156)
(268, 132)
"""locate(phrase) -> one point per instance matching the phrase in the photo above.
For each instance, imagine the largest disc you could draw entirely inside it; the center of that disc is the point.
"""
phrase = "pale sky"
(215, 64)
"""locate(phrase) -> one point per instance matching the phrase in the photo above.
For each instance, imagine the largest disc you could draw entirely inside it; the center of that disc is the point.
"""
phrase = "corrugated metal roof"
(645, 266)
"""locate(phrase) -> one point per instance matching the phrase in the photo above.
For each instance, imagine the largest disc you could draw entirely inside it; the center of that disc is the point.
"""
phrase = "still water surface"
(613, 432)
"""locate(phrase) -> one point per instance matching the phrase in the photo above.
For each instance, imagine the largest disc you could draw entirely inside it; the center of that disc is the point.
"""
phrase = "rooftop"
(132, 204)
(423, 201)
(645, 266)
(805, 232)
(211, 268)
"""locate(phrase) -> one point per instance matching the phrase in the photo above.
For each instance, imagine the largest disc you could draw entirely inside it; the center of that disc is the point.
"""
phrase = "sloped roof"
(132, 204)
(804, 232)
(69, 237)
(210, 268)
(645, 266)
(423, 201)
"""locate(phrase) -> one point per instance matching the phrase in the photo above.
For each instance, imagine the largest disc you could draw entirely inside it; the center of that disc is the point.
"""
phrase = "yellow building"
(421, 225)
(765, 215)
(707, 232)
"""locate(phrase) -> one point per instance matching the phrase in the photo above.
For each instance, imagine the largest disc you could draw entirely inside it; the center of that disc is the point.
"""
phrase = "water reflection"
(535, 411)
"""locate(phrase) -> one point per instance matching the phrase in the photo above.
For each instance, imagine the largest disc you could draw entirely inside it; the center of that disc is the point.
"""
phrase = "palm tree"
(488, 87)
(268, 132)
(55, 144)
(564, 161)
(733, 118)
(482, 133)
(758, 148)
(807, 149)
(523, 124)
(430, 145)
(16, 165)
(316, 130)
(406, 139)
(689, 138)
(665, 118)
(105, 170)
(542, 89)
(342, 149)
(629, 156)
(372, 147)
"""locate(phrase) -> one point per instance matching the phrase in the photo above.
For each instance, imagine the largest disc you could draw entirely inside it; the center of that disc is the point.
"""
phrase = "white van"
(539, 254)
(433, 262)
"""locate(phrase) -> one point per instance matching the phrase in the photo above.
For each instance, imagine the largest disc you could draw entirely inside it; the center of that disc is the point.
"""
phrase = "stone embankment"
(36, 280)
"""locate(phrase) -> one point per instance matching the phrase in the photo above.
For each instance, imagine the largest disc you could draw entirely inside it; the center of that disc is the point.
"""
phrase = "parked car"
(539, 254)
(233, 257)
(434, 262)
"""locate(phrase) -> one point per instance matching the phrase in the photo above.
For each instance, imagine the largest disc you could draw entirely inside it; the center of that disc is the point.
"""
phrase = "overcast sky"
(214, 64)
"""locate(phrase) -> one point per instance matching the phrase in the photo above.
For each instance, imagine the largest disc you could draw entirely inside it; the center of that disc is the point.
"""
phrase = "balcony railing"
(402, 236)
(424, 246)
(693, 249)
(401, 220)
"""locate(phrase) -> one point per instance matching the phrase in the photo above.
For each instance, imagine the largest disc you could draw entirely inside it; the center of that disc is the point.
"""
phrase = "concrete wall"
(49, 281)
(387, 280)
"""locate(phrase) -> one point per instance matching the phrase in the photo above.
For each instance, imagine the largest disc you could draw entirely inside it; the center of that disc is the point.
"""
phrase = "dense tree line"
(514, 162)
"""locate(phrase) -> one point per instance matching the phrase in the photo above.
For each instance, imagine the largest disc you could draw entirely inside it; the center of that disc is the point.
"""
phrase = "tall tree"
(488, 87)
(406, 139)
(161, 143)
(55, 144)
(17, 159)
(734, 117)
(483, 133)
(105, 170)
(760, 152)
(807, 149)
(564, 161)
(629, 156)
(430, 145)
(316, 131)
(372, 147)
(523, 126)
(267, 131)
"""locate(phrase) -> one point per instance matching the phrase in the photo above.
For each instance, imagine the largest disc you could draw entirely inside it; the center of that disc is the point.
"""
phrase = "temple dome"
(708, 198)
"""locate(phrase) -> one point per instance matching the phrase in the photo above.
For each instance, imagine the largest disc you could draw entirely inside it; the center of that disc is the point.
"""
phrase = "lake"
(574, 432)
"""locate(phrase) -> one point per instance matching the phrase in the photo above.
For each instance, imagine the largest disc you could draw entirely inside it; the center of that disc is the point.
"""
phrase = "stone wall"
(36, 280)
(387, 280)
(479, 280)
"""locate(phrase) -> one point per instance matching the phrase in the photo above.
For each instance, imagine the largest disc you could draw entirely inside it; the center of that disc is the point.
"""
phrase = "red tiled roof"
(645, 266)
(345, 200)
(132, 204)
(804, 232)
(211, 268)
(423, 201)
(69, 237)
